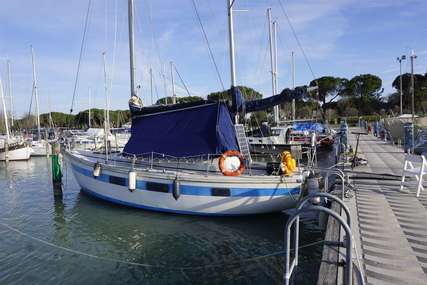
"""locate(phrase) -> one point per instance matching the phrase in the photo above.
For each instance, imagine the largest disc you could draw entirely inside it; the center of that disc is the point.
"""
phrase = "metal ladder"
(243, 142)
(294, 219)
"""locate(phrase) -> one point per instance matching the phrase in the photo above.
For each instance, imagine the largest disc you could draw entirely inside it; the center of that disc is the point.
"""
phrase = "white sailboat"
(40, 146)
(92, 139)
(184, 158)
(11, 148)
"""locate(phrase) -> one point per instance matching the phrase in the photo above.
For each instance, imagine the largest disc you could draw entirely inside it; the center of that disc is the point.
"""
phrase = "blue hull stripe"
(129, 204)
(197, 190)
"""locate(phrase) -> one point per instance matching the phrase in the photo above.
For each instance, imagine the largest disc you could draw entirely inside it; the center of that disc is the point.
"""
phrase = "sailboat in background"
(11, 148)
(40, 146)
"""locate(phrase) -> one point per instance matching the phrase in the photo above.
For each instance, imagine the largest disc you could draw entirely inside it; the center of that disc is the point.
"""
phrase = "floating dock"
(389, 226)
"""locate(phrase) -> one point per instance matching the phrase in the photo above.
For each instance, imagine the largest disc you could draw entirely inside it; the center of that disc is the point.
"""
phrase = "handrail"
(337, 172)
(320, 194)
(348, 243)
(330, 196)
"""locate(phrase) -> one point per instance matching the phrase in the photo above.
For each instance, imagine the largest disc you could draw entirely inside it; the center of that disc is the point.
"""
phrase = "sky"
(339, 37)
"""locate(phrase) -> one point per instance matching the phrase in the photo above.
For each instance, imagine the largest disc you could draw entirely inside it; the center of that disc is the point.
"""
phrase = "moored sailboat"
(39, 145)
(184, 158)
(11, 148)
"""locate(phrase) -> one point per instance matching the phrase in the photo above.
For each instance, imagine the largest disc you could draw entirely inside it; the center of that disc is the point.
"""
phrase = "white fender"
(132, 181)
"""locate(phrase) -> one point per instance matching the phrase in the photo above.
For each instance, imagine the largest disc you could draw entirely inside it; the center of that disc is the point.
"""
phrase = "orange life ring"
(224, 156)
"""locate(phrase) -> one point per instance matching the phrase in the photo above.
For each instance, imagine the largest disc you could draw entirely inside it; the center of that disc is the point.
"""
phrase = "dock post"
(57, 170)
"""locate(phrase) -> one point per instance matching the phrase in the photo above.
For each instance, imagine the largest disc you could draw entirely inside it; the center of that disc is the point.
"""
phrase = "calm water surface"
(99, 243)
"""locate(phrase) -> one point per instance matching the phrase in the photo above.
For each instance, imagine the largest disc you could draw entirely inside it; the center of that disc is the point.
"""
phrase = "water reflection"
(84, 224)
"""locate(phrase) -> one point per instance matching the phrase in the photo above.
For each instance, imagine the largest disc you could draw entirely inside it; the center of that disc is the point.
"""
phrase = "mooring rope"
(146, 265)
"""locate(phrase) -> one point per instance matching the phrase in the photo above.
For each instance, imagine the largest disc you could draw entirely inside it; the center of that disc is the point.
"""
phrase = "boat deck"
(389, 226)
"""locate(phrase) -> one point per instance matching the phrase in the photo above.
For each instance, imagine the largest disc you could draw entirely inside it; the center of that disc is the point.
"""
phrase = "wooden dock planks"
(392, 225)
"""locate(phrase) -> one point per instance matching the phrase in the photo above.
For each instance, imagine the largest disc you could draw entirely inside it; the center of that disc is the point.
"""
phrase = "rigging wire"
(113, 65)
(182, 81)
(261, 58)
(282, 7)
(154, 46)
(196, 11)
(153, 35)
(81, 53)
(140, 88)
(156, 90)
(31, 102)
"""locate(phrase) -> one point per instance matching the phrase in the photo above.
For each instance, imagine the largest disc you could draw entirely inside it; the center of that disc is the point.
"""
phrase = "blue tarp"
(194, 130)
(308, 126)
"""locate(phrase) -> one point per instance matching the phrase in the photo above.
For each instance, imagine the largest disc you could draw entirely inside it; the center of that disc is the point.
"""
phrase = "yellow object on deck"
(288, 163)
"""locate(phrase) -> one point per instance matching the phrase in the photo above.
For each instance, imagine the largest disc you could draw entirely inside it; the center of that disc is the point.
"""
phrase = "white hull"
(17, 154)
(40, 149)
(199, 194)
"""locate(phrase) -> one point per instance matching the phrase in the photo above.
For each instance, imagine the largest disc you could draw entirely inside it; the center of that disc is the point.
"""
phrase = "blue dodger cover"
(196, 130)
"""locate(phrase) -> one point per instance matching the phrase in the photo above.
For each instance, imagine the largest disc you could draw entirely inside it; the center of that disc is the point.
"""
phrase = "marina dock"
(389, 226)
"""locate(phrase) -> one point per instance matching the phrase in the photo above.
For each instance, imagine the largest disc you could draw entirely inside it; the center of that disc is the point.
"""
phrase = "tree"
(187, 99)
(364, 86)
(420, 87)
(247, 92)
(346, 107)
(393, 102)
(80, 120)
(256, 118)
(366, 89)
(329, 87)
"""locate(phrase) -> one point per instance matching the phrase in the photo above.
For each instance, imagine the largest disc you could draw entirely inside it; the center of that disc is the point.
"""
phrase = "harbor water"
(76, 239)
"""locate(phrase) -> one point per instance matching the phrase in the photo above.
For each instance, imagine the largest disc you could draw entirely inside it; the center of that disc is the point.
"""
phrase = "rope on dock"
(146, 265)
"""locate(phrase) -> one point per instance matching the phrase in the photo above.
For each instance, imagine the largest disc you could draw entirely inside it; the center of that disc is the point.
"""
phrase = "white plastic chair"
(417, 171)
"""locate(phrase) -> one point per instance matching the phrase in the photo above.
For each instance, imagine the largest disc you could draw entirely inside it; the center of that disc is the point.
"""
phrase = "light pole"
(400, 59)
(413, 57)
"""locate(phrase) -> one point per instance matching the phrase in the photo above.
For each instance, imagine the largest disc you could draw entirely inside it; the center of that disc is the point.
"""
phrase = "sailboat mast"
(231, 42)
(231, 45)
(276, 73)
(9, 78)
(4, 112)
(36, 95)
(271, 37)
(131, 10)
